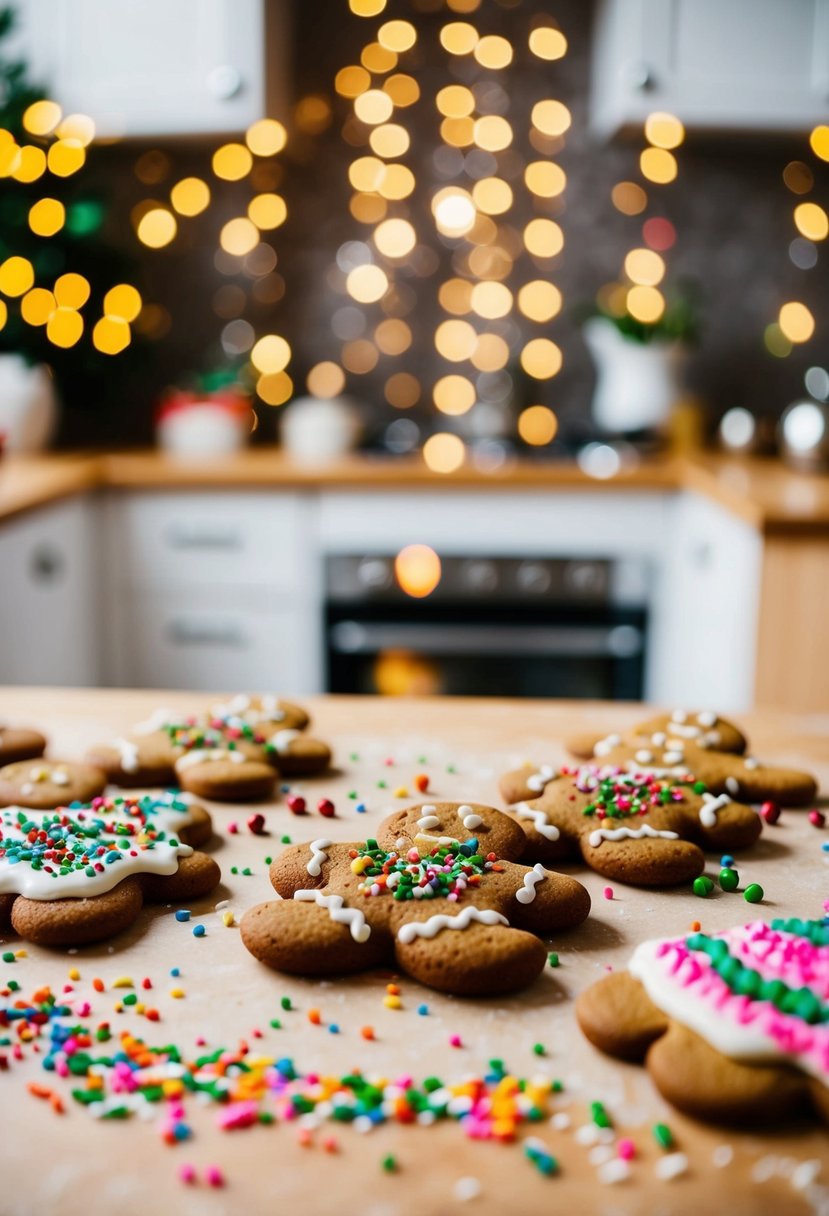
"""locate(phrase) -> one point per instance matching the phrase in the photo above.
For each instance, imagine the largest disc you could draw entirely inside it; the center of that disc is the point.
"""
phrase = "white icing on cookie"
(210, 755)
(282, 740)
(645, 831)
(643, 756)
(156, 721)
(542, 778)
(732, 785)
(540, 820)
(531, 879)
(678, 770)
(751, 762)
(335, 905)
(711, 805)
(707, 718)
(128, 753)
(318, 856)
(435, 924)
(606, 745)
(679, 715)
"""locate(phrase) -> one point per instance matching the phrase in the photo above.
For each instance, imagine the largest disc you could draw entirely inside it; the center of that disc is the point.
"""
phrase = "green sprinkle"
(539, 1049)
(354, 757)
(9, 957)
(699, 787)
(276, 1024)
(552, 958)
(130, 999)
(247, 871)
(13, 985)
(352, 795)
(599, 1115)
(729, 879)
(703, 886)
(389, 1164)
(284, 840)
(663, 1135)
(234, 869)
(381, 785)
(450, 768)
(286, 1002)
(753, 893)
(268, 861)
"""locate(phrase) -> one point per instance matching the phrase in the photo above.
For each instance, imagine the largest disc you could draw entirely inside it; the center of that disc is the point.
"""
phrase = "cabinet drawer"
(209, 539)
(170, 643)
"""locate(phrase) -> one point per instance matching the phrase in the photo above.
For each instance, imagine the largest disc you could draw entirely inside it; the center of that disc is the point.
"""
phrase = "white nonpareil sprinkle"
(614, 1171)
(804, 1175)
(560, 1121)
(672, 1166)
(600, 1153)
(722, 1156)
(466, 1189)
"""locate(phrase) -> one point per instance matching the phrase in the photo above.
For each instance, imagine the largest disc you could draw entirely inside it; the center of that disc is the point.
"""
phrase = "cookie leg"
(702, 1082)
(618, 1016)
(646, 862)
(482, 960)
(545, 901)
(304, 939)
(76, 922)
(196, 875)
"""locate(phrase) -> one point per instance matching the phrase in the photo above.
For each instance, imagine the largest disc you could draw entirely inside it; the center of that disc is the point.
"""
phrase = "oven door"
(594, 653)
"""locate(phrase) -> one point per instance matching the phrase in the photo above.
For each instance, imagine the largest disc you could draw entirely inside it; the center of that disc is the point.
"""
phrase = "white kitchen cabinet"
(48, 596)
(758, 65)
(159, 67)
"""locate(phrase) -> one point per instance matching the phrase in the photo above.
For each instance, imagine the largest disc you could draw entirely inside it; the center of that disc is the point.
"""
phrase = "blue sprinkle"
(284, 789)
(175, 971)
(183, 914)
(360, 808)
(825, 846)
(334, 1028)
(423, 1010)
(727, 860)
(199, 931)
(181, 1131)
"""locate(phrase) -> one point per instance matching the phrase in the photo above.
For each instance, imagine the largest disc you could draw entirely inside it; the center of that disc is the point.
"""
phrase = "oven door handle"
(566, 641)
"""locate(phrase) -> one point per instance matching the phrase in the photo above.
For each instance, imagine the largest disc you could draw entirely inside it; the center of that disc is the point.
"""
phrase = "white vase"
(637, 383)
(28, 405)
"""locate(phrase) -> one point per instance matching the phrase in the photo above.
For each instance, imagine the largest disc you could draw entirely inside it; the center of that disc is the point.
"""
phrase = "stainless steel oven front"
(506, 626)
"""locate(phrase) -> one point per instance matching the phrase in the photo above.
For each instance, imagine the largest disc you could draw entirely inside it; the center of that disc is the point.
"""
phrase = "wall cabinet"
(153, 68)
(759, 65)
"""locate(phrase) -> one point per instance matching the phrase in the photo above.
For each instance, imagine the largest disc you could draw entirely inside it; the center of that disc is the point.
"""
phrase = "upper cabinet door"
(159, 67)
(727, 65)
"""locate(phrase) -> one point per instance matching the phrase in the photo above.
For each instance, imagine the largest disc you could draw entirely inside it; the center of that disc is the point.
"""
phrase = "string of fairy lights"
(492, 217)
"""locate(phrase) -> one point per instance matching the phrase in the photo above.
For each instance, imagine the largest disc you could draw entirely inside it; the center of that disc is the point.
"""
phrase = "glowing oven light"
(417, 569)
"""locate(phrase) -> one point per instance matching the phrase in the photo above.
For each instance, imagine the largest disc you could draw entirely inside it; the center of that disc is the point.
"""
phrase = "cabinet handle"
(201, 633)
(181, 537)
(639, 77)
(224, 81)
(46, 565)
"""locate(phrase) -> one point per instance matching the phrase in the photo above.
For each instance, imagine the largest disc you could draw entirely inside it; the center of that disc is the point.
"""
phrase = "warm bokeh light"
(491, 300)
(454, 211)
(545, 178)
(47, 216)
(64, 327)
(455, 340)
(37, 306)
(79, 127)
(459, 38)
(123, 301)
(402, 390)
(455, 296)
(398, 183)
(819, 141)
(543, 238)
(454, 394)
(393, 336)
(266, 137)
(629, 198)
(541, 358)
(42, 117)
(444, 453)
(156, 228)
(275, 388)
(664, 130)
(367, 283)
(492, 133)
(31, 164)
(551, 117)
(389, 140)
(72, 290)
(776, 342)
(658, 165)
(455, 101)
(402, 89)
(537, 425)
(190, 196)
(111, 335)
(4, 313)
(352, 81)
(17, 276)
(239, 236)
(539, 300)
(547, 42)
(645, 304)
(360, 356)
(267, 211)
(397, 36)
(417, 570)
(796, 321)
(373, 107)
(11, 157)
(494, 52)
(366, 173)
(270, 354)
(491, 353)
(659, 233)
(64, 158)
(492, 195)
(458, 132)
(798, 177)
(645, 267)
(811, 221)
(326, 379)
(395, 238)
(377, 58)
(366, 8)
(232, 162)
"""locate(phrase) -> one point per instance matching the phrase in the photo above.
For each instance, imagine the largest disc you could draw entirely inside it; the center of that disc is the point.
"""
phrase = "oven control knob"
(480, 575)
(533, 577)
(374, 573)
(586, 578)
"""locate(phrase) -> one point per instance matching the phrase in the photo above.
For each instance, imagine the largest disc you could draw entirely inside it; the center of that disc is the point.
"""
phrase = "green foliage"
(680, 322)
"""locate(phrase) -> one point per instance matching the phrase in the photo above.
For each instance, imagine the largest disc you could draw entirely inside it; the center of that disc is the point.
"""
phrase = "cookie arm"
(304, 866)
(544, 901)
(302, 937)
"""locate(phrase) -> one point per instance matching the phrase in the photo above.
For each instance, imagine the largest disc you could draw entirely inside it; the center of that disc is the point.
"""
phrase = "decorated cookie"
(17, 743)
(449, 914)
(225, 775)
(81, 875)
(296, 754)
(43, 785)
(626, 825)
(702, 727)
(722, 772)
(733, 1026)
(268, 712)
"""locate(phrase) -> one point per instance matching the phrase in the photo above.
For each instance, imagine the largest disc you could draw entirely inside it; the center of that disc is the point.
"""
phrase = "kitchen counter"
(762, 492)
(77, 1166)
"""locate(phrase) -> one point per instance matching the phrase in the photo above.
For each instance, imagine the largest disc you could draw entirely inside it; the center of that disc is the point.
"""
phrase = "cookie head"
(225, 774)
(43, 785)
(266, 711)
(431, 824)
(295, 753)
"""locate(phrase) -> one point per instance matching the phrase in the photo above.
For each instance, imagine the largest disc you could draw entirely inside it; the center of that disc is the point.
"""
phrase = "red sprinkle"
(256, 824)
(296, 805)
(214, 1176)
(326, 807)
(608, 892)
(233, 828)
(314, 1017)
(455, 1040)
(770, 812)
(367, 1032)
(817, 818)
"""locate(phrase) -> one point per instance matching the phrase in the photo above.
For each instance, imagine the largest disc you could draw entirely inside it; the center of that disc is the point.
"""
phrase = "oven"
(417, 622)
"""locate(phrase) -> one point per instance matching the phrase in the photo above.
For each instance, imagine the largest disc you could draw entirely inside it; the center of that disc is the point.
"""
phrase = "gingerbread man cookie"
(451, 916)
(733, 1027)
(18, 743)
(626, 825)
(702, 727)
(225, 774)
(43, 785)
(280, 726)
(81, 875)
(267, 711)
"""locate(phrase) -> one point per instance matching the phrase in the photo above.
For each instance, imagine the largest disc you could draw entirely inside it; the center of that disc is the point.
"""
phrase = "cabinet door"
(151, 67)
(48, 629)
(716, 64)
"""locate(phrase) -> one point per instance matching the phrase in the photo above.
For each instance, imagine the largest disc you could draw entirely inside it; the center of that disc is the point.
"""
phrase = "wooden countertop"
(763, 492)
(75, 1165)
